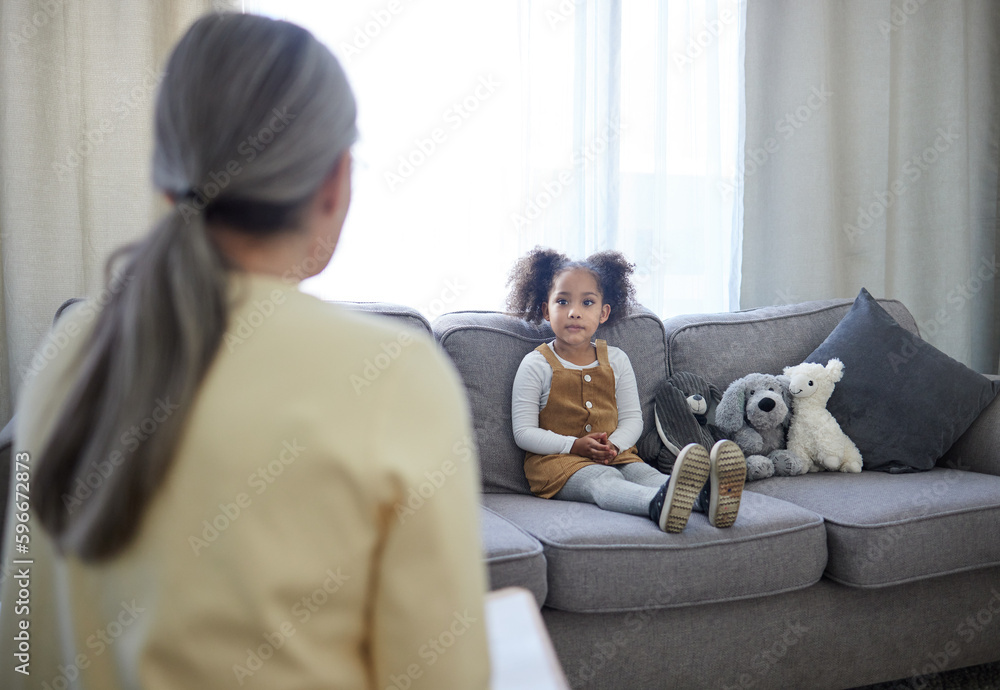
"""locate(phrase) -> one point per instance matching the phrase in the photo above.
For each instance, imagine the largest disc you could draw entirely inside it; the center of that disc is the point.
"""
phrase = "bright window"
(488, 128)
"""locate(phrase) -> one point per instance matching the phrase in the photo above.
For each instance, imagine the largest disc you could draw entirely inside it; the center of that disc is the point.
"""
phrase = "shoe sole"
(729, 473)
(688, 477)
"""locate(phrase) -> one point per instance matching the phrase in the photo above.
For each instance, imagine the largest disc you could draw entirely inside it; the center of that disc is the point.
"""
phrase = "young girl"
(576, 408)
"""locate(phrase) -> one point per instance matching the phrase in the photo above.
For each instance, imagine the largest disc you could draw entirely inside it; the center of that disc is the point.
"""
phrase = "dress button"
(586, 377)
(587, 427)
(589, 404)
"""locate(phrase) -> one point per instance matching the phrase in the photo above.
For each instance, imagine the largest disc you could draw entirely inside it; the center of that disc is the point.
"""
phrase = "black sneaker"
(671, 507)
(729, 472)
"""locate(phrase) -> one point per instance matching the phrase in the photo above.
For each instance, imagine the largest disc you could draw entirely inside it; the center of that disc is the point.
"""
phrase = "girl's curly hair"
(532, 277)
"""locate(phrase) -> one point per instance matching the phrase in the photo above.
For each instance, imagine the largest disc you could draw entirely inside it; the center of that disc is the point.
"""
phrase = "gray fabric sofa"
(825, 581)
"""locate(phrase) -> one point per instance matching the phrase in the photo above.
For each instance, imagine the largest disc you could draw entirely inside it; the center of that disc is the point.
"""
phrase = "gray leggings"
(621, 488)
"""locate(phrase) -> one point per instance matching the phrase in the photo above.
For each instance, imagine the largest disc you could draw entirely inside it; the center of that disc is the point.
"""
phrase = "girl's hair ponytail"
(230, 78)
(531, 279)
(150, 348)
(613, 271)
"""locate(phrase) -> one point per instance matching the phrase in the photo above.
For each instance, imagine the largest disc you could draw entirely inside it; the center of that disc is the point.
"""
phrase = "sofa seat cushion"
(600, 561)
(513, 557)
(886, 529)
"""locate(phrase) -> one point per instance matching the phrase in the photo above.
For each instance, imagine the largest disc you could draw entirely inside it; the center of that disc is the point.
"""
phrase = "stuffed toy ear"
(729, 413)
(786, 388)
(786, 395)
(715, 393)
(836, 369)
(687, 383)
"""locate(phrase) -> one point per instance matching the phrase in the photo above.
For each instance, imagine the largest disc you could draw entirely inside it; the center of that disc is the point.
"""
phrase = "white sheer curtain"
(488, 128)
(633, 127)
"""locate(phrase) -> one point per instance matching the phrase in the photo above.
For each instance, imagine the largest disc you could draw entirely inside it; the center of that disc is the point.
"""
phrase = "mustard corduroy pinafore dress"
(581, 401)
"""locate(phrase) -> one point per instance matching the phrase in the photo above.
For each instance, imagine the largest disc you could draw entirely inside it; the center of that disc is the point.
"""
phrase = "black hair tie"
(190, 201)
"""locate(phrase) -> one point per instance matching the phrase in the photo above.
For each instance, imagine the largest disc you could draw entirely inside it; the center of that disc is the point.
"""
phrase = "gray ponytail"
(252, 116)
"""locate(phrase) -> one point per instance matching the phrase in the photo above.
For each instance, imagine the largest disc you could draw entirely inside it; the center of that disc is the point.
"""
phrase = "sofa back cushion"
(727, 346)
(407, 315)
(487, 347)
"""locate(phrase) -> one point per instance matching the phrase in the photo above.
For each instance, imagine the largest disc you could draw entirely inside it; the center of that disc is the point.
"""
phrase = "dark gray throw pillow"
(902, 401)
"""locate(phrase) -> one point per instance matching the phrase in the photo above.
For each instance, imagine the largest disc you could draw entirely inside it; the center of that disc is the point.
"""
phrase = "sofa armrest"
(978, 449)
(6, 468)
(7, 435)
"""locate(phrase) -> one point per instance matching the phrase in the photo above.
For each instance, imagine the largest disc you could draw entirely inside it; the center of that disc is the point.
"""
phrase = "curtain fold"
(871, 160)
(633, 116)
(77, 86)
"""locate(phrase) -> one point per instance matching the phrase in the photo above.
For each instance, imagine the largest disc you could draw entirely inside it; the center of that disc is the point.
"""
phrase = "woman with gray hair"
(219, 494)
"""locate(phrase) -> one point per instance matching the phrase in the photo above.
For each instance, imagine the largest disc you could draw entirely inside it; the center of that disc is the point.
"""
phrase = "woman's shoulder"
(278, 332)
(313, 322)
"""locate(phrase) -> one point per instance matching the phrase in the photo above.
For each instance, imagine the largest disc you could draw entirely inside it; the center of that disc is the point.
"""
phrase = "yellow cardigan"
(318, 527)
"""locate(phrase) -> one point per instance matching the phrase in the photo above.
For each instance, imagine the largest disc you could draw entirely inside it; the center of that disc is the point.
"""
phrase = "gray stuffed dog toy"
(755, 412)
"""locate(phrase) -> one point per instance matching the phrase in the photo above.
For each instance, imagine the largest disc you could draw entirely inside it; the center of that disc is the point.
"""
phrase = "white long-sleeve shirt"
(531, 393)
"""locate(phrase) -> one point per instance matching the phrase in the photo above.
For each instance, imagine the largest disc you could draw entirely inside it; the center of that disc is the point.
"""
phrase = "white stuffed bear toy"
(814, 433)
